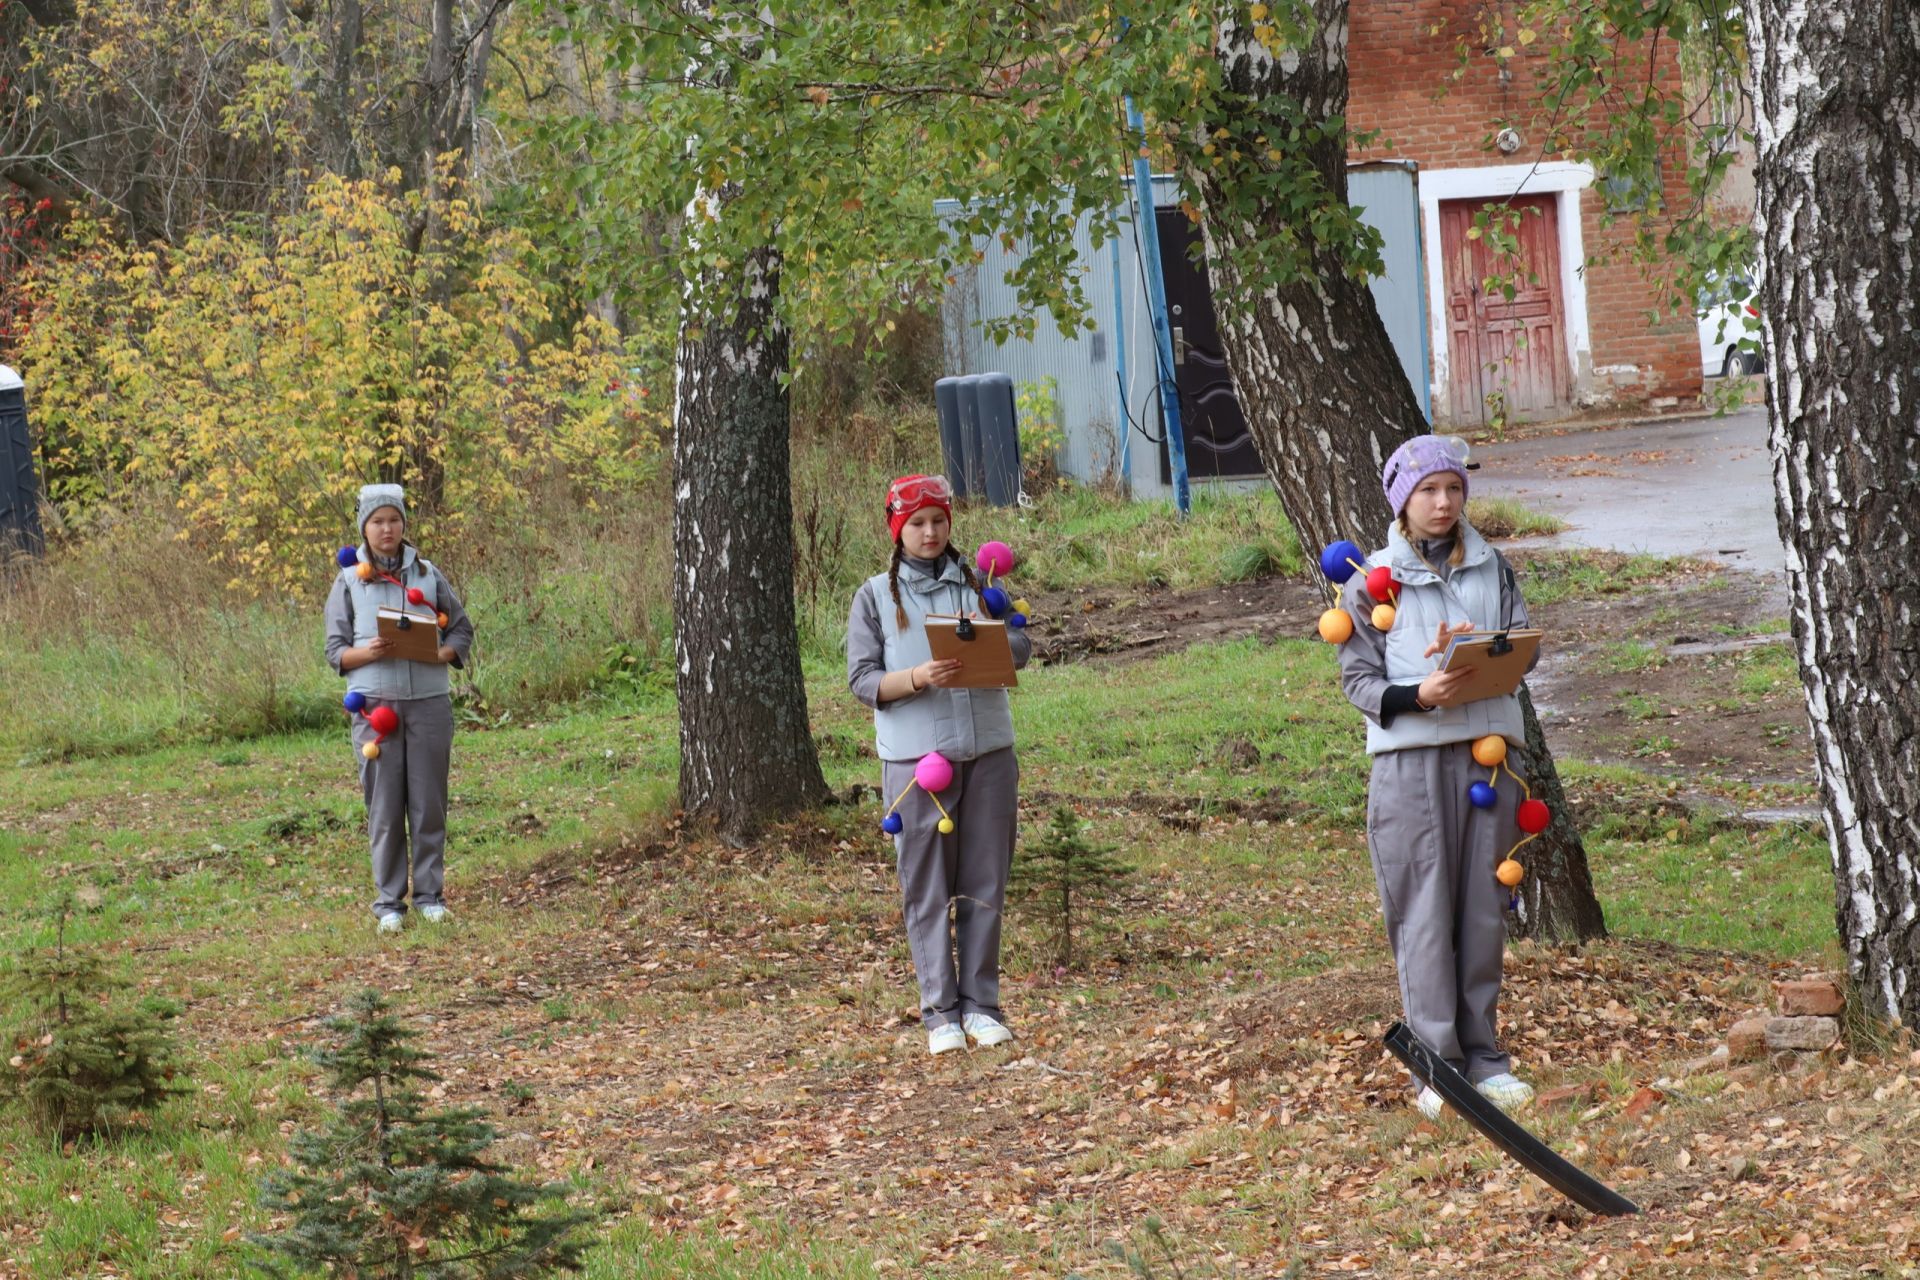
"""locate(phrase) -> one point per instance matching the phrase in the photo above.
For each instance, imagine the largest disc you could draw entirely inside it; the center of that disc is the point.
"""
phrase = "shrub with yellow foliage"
(264, 372)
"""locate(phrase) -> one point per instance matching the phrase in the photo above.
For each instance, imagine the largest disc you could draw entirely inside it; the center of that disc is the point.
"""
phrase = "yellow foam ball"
(371, 751)
(365, 571)
(946, 826)
(1510, 873)
(1383, 616)
(1336, 626)
(1021, 606)
(1490, 750)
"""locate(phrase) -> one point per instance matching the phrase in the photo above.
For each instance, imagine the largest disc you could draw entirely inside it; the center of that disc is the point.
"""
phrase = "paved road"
(1701, 487)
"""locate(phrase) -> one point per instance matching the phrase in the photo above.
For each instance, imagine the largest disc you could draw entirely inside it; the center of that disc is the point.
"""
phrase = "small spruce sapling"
(1061, 873)
(390, 1190)
(80, 1065)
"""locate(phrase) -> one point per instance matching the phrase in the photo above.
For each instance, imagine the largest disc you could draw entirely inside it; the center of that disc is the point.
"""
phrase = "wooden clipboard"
(418, 641)
(1495, 674)
(987, 658)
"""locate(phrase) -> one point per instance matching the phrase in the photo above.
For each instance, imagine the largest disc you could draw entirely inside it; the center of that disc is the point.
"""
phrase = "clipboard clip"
(963, 630)
(1500, 645)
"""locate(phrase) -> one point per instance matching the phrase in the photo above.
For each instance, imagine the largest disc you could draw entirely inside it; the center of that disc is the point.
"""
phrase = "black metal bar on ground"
(1541, 1160)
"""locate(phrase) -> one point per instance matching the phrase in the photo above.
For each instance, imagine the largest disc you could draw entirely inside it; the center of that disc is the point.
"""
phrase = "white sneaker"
(946, 1038)
(392, 922)
(1428, 1104)
(986, 1031)
(435, 914)
(1506, 1091)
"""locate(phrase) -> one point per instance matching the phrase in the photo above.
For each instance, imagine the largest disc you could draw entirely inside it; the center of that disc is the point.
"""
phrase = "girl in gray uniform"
(1434, 853)
(404, 780)
(916, 710)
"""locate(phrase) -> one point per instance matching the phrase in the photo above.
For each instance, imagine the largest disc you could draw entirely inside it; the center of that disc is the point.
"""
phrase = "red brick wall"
(1409, 83)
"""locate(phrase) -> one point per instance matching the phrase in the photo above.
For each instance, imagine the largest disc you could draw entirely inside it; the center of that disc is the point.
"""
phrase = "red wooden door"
(1504, 357)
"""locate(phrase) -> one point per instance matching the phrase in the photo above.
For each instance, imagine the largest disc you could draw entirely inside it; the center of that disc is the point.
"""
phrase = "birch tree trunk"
(746, 749)
(1837, 121)
(1324, 394)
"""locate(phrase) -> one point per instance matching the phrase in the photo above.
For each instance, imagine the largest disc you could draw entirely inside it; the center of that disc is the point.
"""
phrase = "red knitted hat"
(909, 494)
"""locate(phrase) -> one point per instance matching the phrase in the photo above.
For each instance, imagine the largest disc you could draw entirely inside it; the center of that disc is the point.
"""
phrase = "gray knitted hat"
(1418, 458)
(375, 496)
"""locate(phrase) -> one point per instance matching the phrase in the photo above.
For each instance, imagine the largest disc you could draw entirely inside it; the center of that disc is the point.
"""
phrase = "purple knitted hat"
(1419, 458)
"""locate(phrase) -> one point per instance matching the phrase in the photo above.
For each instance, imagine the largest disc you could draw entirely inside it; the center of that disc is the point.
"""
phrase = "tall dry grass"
(131, 639)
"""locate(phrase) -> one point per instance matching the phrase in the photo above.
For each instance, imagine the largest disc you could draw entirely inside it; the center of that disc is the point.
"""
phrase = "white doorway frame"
(1564, 180)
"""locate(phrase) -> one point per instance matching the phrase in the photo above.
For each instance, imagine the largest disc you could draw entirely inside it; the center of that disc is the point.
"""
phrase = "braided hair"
(893, 585)
(893, 577)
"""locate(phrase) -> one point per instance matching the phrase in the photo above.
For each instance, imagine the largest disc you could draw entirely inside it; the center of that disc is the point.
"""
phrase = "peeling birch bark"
(1837, 123)
(746, 748)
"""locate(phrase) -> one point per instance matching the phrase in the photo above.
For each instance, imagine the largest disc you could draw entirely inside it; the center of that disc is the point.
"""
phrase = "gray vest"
(961, 724)
(1470, 592)
(393, 679)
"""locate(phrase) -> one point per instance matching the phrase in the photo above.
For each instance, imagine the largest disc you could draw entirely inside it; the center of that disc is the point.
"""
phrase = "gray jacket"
(352, 619)
(1480, 589)
(961, 724)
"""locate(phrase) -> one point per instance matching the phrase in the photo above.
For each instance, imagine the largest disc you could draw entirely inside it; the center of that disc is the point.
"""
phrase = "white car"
(1730, 329)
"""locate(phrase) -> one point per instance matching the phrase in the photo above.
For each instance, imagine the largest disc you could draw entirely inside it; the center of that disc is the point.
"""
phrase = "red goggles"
(914, 492)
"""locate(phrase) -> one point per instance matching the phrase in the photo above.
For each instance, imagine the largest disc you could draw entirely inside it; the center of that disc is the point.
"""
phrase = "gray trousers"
(1434, 856)
(958, 968)
(406, 794)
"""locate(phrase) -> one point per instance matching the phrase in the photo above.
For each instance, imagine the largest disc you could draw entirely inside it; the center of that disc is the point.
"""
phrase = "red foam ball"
(416, 596)
(1533, 816)
(383, 720)
(1380, 584)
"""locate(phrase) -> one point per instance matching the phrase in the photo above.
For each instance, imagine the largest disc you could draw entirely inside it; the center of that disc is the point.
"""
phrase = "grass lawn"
(715, 1047)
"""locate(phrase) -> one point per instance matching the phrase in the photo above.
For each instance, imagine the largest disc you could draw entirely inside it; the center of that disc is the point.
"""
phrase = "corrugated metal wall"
(1388, 198)
(1108, 426)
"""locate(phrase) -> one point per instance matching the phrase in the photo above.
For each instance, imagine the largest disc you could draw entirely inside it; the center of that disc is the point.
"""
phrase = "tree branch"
(50, 13)
(39, 186)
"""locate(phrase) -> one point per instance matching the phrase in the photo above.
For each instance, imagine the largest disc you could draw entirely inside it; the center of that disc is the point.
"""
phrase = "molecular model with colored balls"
(384, 721)
(1532, 816)
(995, 560)
(349, 558)
(933, 773)
(1339, 562)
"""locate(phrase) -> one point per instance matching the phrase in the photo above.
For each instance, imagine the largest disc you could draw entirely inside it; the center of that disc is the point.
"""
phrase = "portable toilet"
(19, 477)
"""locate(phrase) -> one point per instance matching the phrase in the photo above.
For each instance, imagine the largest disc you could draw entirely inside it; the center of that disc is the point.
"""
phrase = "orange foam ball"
(1490, 750)
(1510, 873)
(1383, 617)
(365, 572)
(442, 620)
(1336, 626)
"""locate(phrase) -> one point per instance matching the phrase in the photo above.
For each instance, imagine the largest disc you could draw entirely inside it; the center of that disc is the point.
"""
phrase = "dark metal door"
(1218, 442)
(19, 485)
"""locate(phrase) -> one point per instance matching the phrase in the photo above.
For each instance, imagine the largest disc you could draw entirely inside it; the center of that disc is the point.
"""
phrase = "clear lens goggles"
(905, 495)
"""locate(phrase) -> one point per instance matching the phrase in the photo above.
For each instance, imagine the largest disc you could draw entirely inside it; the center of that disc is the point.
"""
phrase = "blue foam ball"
(1016, 619)
(1339, 559)
(891, 824)
(355, 702)
(348, 557)
(996, 601)
(1483, 795)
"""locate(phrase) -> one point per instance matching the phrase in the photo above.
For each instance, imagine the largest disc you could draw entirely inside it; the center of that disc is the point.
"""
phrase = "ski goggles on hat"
(913, 492)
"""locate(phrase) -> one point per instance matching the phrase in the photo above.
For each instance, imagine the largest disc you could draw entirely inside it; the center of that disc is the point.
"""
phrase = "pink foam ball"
(995, 558)
(934, 772)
